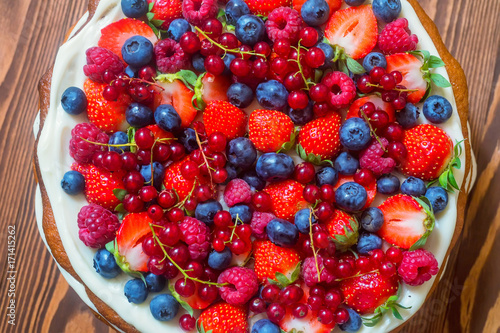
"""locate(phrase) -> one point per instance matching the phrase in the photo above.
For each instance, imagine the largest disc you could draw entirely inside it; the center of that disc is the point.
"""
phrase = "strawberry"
(166, 11)
(354, 29)
(367, 292)
(133, 230)
(161, 134)
(99, 184)
(409, 66)
(379, 105)
(222, 116)
(271, 259)
(215, 87)
(333, 4)
(109, 116)
(343, 228)
(430, 150)
(371, 189)
(319, 139)
(174, 180)
(269, 130)
(223, 318)
(286, 198)
(264, 7)
(407, 221)
(179, 96)
(116, 34)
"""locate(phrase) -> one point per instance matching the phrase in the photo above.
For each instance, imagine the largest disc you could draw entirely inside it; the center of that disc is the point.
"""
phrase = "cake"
(336, 158)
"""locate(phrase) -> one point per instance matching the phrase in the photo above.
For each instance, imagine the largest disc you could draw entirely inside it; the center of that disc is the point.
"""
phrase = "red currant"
(341, 316)
(387, 82)
(315, 57)
(132, 203)
(187, 323)
(185, 287)
(190, 42)
(311, 193)
(167, 198)
(155, 212)
(323, 211)
(279, 65)
(112, 161)
(364, 84)
(217, 142)
(319, 92)
(282, 47)
(276, 312)
(300, 310)
(214, 64)
(170, 234)
(308, 36)
(262, 48)
(148, 193)
(325, 316)
(110, 93)
(228, 40)
(364, 177)
(394, 254)
(213, 28)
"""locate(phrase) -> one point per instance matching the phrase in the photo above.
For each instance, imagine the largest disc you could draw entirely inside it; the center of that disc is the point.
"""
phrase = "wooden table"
(468, 298)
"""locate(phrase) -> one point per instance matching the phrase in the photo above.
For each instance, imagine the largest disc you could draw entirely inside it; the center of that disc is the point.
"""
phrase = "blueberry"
(372, 219)
(354, 2)
(274, 167)
(327, 175)
(177, 28)
(265, 326)
(302, 220)
(228, 58)
(240, 95)
(198, 62)
(158, 174)
(351, 196)
(413, 186)
(315, 12)
(234, 10)
(131, 72)
(374, 59)
(272, 95)
(117, 139)
(155, 283)
(220, 260)
(137, 51)
(438, 198)
(136, 291)
(164, 307)
(241, 153)
(232, 172)
(139, 115)
(250, 29)
(355, 134)
(388, 184)
(105, 264)
(188, 139)
(167, 118)
(437, 109)
(135, 8)
(368, 242)
(282, 232)
(205, 211)
(329, 54)
(252, 179)
(73, 182)
(408, 116)
(386, 10)
(354, 322)
(346, 164)
(301, 116)
(242, 212)
(74, 100)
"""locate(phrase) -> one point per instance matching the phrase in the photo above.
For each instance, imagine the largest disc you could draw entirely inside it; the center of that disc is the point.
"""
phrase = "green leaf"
(354, 66)
(120, 193)
(188, 77)
(111, 246)
(151, 5)
(396, 313)
(150, 16)
(440, 80)
(221, 13)
(289, 144)
(421, 242)
(131, 138)
(443, 180)
(197, 100)
(157, 23)
(282, 279)
(435, 62)
(182, 302)
(452, 181)
(295, 273)
(271, 281)
(120, 209)
(343, 67)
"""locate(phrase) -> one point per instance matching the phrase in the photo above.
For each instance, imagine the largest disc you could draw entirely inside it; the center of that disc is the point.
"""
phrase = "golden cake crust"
(108, 315)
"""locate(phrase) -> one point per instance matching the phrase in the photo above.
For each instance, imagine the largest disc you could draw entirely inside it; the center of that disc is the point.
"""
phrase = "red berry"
(291, 294)
(257, 305)
(179, 254)
(110, 93)
(219, 176)
(132, 203)
(304, 172)
(240, 67)
(315, 57)
(175, 215)
(387, 82)
(202, 193)
(262, 201)
(213, 28)
(190, 204)
(376, 73)
(323, 211)
(262, 48)
(387, 268)
(282, 47)
(190, 42)
(187, 323)
(394, 132)
(133, 181)
(112, 161)
(238, 246)
(311, 193)
(129, 161)
(167, 198)
(394, 255)
(170, 234)
(315, 302)
(148, 193)
(147, 73)
(333, 298)
(161, 152)
(190, 170)
(214, 64)
(364, 84)
(308, 36)
(327, 193)
(151, 247)
(157, 265)
(325, 316)
(228, 40)
(341, 316)
(270, 293)
(319, 92)
(399, 103)
(344, 269)
(260, 67)
(185, 287)
(293, 81)
(194, 269)
(223, 219)
(298, 99)
(279, 65)
(397, 150)
(246, 49)
(368, 108)
(276, 312)
(363, 264)
(364, 177)
(321, 239)
(178, 151)
(208, 293)
(218, 245)
(144, 138)
(379, 119)
(398, 77)
(155, 212)
(300, 310)
(217, 142)
(377, 256)
(321, 109)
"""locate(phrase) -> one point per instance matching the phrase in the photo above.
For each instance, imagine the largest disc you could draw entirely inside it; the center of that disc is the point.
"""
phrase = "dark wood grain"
(468, 298)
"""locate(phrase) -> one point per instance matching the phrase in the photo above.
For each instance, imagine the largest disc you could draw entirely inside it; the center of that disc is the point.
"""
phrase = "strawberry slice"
(116, 34)
(215, 87)
(409, 66)
(354, 29)
(377, 101)
(179, 96)
(407, 221)
(133, 230)
(333, 4)
(371, 189)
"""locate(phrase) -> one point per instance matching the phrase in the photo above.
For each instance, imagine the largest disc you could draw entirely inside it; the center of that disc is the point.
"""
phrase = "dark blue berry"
(205, 211)
(232, 172)
(353, 324)
(388, 184)
(355, 134)
(74, 101)
(73, 182)
(272, 95)
(282, 232)
(250, 29)
(241, 153)
(167, 118)
(329, 54)
(240, 95)
(437, 109)
(220, 260)
(372, 219)
(234, 10)
(137, 51)
(302, 220)
(315, 12)
(135, 8)
(136, 291)
(177, 28)
(438, 198)
(354, 2)
(368, 242)
(198, 62)
(301, 116)
(265, 326)
(105, 264)
(118, 139)
(346, 164)
(155, 283)
(164, 307)
(274, 167)
(241, 212)
(386, 10)
(374, 59)
(252, 179)
(131, 72)
(188, 139)
(413, 186)
(158, 174)
(408, 116)
(139, 115)
(351, 197)
(327, 175)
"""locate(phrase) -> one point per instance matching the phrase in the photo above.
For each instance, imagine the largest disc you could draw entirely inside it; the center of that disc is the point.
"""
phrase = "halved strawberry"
(269, 130)
(377, 101)
(264, 7)
(133, 230)
(215, 87)
(333, 4)
(166, 11)
(286, 198)
(406, 221)
(309, 323)
(371, 189)
(343, 228)
(271, 259)
(116, 34)
(355, 29)
(179, 96)
(409, 66)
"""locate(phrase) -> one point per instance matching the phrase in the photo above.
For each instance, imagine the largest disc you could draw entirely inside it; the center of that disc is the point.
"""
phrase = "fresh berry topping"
(196, 235)
(284, 23)
(215, 88)
(386, 10)
(334, 5)
(417, 267)
(81, 146)
(269, 130)
(320, 137)
(166, 11)
(170, 58)
(272, 95)
(287, 198)
(97, 226)
(410, 67)
(242, 286)
(100, 61)
(310, 271)
(179, 96)
(133, 229)
(342, 90)
(378, 104)
(371, 158)
(271, 258)
(222, 318)
(197, 11)
(259, 223)
(221, 116)
(175, 180)
(343, 228)
(397, 38)
(264, 7)
(237, 191)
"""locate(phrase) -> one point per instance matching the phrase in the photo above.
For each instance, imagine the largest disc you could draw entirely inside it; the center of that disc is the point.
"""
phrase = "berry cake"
(296, 166)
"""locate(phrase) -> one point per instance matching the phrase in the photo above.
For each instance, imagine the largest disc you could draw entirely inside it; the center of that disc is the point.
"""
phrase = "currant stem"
(372, 131)
(357, 275)
(397, 89)
(204, 157)
(312, 245)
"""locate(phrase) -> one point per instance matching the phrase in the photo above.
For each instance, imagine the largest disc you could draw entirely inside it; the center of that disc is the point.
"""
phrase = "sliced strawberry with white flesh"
(133, 230)
(379, 105)
(413, 79)
(408, 221)
(215, 87)
(354, 29)
(309, 323)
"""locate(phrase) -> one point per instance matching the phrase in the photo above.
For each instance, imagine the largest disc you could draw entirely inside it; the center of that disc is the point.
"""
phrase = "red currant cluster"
(236, 237)
(142, 89)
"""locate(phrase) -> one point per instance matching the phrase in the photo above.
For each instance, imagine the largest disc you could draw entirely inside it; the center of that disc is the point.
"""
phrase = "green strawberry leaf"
(157, 23)
(151, 5)
(429, 222)
(343, 67)
(282, 279)
(131, 138)
(182, 302)
(120, 193)
(197, 100)
(111, 246)
(439, 80)
(447, 180)
(201, 329)
(390, 304)
(354, 66)
(150, 16)
(295, 273)
(221, 13)
(120, 209)
(289, 144)
(186, 76)
(435, 62)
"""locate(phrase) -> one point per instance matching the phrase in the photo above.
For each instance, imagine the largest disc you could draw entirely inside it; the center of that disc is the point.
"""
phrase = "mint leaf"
(435, 62)
(354, 66)
(439, 80)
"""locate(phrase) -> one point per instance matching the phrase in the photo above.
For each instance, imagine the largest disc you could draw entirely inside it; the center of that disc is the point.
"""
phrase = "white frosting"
(54, 161)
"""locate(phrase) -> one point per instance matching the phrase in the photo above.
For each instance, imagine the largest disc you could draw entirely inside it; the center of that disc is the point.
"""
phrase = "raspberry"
(196, 235)
(259, 223)
(97, 226)
(284, 23)
(371, 158)
(243, 285)
(310, 273)
(417, 267)
(170, 58)
(342, 89)
(397, 38)
(81, 150)
(237, 191)
(198, 11)
(100, 61)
